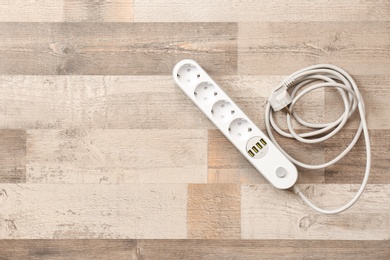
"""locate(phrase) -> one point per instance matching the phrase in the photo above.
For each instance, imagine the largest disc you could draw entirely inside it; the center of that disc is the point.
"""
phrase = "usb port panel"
(255, 149)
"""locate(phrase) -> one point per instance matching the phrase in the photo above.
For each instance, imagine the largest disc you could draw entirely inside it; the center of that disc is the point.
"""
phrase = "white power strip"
(266, 156)
(256, 147)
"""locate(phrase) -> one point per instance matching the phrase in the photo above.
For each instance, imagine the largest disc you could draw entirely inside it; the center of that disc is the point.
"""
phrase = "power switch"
(281, 172)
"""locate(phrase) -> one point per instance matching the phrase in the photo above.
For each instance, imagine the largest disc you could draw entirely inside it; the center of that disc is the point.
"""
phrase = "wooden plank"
(375, 92)
(115, 48)
(214, 211)
(192, 249)
(275, 11)
(116, 156)
(352, 167)
(12, 155)
(263, 249)
(236, 175)
(68, 211)
(173, 11)
(98, 11)
(121, 101)
(57, 249)
(31, 11)
(268, 213)
(282, 48)
(66, 11)
(96, 102)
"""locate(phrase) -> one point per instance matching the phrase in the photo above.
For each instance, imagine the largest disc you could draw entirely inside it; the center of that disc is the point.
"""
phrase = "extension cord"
(264, 153)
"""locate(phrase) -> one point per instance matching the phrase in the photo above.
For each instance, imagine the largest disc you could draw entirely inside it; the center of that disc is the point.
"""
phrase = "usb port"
(259, 145)
(251, 153)
(255, 149)
(262, 141)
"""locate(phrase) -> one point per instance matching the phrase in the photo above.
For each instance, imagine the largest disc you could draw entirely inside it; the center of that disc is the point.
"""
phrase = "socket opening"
(205, 92)
(222, 110)
(188, 74)
(240, 128)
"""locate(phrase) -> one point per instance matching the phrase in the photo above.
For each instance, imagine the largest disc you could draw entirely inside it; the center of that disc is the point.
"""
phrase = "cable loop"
(301, 83)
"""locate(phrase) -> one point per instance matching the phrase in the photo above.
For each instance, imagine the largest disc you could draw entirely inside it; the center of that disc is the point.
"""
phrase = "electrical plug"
(279, 98)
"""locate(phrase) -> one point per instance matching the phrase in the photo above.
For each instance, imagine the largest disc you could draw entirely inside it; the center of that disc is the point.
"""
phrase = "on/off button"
(281, 172)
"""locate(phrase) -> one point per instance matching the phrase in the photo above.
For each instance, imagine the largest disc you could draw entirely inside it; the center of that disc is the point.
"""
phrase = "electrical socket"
(188, 74)
(222, 111)
(256, 147)
(240, 128)
(205, 92)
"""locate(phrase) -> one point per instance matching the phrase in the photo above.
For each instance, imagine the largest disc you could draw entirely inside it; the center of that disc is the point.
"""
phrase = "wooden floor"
(103, 157)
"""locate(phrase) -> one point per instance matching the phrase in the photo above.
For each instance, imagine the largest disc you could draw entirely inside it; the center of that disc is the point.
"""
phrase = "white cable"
(301, 83)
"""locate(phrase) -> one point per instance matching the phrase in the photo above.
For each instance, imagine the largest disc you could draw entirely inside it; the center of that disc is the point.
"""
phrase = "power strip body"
(256, 147)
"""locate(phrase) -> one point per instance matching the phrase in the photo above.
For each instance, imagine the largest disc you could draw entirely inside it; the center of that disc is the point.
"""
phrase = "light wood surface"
(115, 48)
(192, 249)
(103, 157)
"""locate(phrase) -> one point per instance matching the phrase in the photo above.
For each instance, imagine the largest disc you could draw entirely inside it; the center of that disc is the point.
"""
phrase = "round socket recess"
(205, 92)
(188, 74)
(240, 128)
(222, 110)
(257, 147)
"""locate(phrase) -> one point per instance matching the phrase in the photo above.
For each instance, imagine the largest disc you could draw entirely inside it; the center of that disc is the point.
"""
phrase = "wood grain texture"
(58, 249)
(287, 217)
(66, 211)
(116, 156)
(270, 11)
(114, 150)
(12, 155)
(282, 48)
(375, 92)
(98, 11)
(115, 102)
(214, 211)
(352, 167)
(186, 11)
(192, 249)
(31, 11)
(263, 249)
(115, 48)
